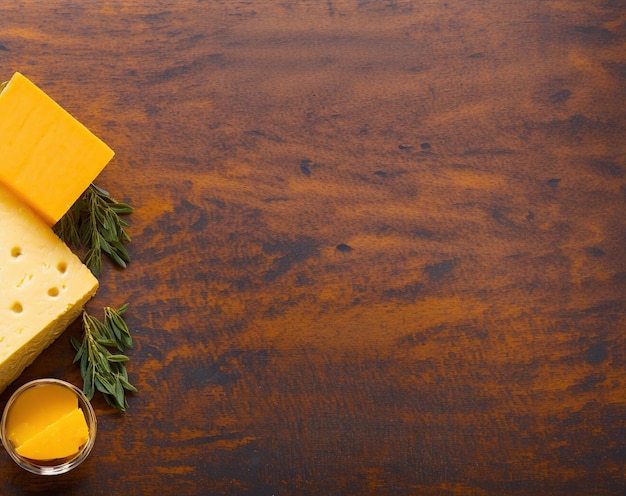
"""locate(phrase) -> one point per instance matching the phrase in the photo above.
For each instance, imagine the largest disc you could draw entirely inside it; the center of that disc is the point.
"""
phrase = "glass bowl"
(58, 466)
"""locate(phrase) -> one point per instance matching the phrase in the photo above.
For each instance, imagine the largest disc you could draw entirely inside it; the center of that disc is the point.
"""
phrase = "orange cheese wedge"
(45, 422)
(36, 408)
(61, 439)
(48, 158)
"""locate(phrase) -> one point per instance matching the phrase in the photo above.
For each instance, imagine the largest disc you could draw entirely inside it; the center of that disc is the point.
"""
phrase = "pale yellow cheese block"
(43, 286)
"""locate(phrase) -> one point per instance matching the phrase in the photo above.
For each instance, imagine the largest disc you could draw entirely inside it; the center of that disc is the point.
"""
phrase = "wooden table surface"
(378, 246)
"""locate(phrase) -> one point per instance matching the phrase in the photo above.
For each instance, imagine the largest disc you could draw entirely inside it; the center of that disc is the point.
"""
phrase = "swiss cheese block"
(43, 286)
(48, 157)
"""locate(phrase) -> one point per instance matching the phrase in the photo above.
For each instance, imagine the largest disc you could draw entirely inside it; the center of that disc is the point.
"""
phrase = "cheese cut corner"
(43, 289)
(48, 157)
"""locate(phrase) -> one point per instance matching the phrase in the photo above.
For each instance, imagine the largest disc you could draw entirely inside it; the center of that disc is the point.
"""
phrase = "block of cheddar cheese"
(61, 439)
(36, 408)
(48, 157)
(45, 422)
(43, 286)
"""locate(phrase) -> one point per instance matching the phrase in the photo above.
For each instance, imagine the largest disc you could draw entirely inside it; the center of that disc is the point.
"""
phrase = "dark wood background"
(378, 246)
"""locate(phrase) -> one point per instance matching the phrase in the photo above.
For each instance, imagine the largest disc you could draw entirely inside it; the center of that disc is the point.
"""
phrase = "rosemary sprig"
(93, 223)
(101, 368)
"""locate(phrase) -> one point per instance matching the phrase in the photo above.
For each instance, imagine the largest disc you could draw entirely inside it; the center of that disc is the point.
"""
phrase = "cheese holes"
(16, 252)
(53, 292)
(62, 267)
(17, 307)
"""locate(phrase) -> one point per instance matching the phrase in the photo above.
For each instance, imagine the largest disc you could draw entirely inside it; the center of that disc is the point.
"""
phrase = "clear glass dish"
(59, 466)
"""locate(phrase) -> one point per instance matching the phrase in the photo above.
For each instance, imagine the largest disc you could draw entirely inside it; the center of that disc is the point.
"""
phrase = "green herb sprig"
(94, 224)
(101, 358)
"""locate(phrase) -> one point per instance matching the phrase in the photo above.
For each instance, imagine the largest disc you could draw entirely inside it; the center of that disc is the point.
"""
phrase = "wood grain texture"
(378, 246)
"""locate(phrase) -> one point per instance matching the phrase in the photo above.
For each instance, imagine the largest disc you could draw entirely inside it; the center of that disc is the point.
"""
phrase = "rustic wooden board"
(378, 246)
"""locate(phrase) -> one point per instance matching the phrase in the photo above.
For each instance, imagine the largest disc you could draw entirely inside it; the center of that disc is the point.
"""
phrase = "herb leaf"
(100, 369)
(93, 223)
